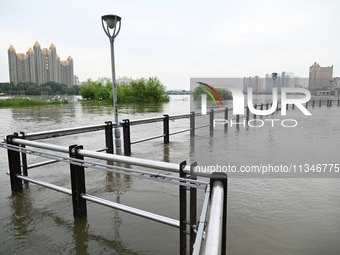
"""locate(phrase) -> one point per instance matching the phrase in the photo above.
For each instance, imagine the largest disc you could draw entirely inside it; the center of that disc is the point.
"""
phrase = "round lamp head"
(111, 20)
(274, 76)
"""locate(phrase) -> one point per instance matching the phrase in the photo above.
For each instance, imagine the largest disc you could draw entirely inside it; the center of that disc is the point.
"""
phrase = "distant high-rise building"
(319, 76)
(124, 79)
(268, 83)
(39, 66)
(76, 80)
(104, 80)
(255, 83)
(335, 82)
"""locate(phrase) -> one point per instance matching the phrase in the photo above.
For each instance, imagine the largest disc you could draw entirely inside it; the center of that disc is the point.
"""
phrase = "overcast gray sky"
(175, 40)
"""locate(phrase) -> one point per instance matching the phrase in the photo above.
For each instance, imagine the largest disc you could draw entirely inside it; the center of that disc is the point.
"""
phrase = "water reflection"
(80, 235)
(141, 108)
(21, 219)
(42, 228)
(52, 113)
(97, 107)
(166, 153)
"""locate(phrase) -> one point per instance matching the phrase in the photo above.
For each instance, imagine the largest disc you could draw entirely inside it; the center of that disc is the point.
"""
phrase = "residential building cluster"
(119, 80)
(39, 66)
(319, 77)
(266, 84)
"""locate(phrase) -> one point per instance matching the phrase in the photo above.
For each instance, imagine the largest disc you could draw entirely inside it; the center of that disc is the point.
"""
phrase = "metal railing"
(186, 181)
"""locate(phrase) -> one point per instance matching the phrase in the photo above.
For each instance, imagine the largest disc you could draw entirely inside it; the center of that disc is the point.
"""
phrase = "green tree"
(93, 90)
(33, 89)
(148, 90)
(6, 87)
(21, 87)
(57, 88)
(141, 90)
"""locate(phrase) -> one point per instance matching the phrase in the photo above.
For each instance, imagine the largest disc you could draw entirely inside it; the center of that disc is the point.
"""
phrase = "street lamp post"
(113, 22)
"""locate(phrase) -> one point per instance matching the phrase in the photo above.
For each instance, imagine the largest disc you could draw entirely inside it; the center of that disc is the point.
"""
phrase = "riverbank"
(27, 101)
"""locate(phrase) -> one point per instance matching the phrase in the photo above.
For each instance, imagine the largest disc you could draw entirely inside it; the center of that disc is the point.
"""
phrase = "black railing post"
(126, 137)
(77, 183)
(14, 165)
(182, 213)
(192, 123)
(108, 137)
(226, 113)
(166, 128)
(261, 106)
(247, 114)
(306, 105)
(267, 106)
(255, 106)
(212, 120)
(237, 118)
(223, 178)
(24, 159)
(226, 116)
(293, 106)
(330, 102)
(313, 103)
(320, 103)
(193, 209)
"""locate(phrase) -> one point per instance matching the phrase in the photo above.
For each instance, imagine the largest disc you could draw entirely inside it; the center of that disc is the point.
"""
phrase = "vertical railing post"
(24, 159)
(14, 165)
(313, 102)
(237, 118)
(306, 105)
(109, 137)
(320, 103)
(223, 178)
(77, 183)
(126, 137)
(255, 106)
(192, 123)
(182, 213)
(286, 106)
(267, 106)
(293, 106)
(330, 102)
(193, 209)
(226, 113)
(166, 128)
(261, 106)
(226, 116)
(247, 114)
(212, 120)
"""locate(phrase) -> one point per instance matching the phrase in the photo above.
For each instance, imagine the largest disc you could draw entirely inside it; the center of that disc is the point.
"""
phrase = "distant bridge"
(183, 92)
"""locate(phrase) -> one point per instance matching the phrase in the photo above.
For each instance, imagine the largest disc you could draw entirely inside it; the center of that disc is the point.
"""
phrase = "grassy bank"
(23, 102)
